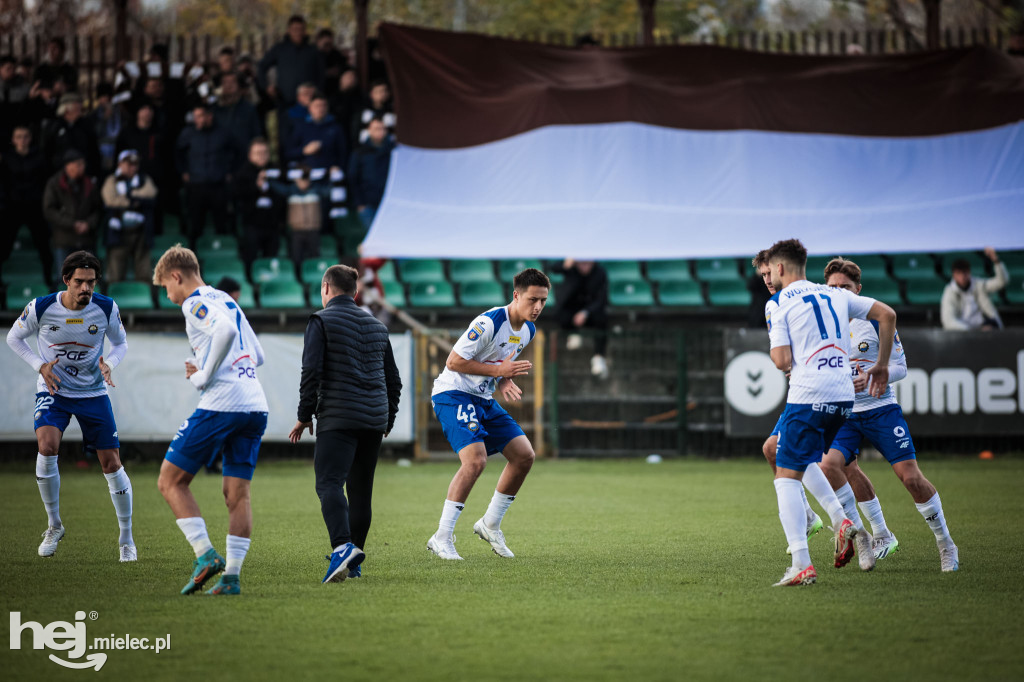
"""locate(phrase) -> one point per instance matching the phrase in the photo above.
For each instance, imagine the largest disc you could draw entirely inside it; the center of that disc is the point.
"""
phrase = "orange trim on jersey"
(831, 345)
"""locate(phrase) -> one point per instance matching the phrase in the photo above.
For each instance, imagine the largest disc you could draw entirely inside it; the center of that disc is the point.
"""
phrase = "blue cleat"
(228, 584)
(356, 572)
(343, 561)
(204, 568)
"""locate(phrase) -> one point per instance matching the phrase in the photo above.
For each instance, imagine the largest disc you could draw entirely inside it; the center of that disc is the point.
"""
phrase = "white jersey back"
(864, 354)
(233, 387)
(489, 339)
(74, 338)
(814, 320)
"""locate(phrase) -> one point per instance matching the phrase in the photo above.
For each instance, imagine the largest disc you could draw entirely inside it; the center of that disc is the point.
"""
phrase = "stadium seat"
(313, 270)
(328, 246)
(979, 263)
(507, 269)
(431, 295)
(465, 271)
(885, 289)
(266, 270)
(172, 226)
(871, 266)
(675, 293)
(622, 271)
(421, 271)
(718, 270)
(481, 295)
(23, 239)
(925, 291)
(913, 266)
(20, 292)
(131, 295)
(23, 266)
(394, 293)
(1014, 262)
(246, 298)
(282, 293)
(217, 265)
(635, 292)
(386, 273)
(669, 271)
(816, 267)
(731, 294)
(217, 242)
(164, 303)
(162, 242)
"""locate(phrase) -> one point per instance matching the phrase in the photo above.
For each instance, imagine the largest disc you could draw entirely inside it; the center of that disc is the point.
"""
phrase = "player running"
(231, 417)
(880, 420)
(484, 359)
(69, 327)
(810, 337)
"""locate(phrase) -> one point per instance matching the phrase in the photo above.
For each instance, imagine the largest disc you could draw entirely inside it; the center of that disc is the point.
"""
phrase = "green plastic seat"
(728, 294)
(475, 270)
(635, 292)
(718, 270)
(386, 273)
(979, 263)
(431, 295)
(1014, 292)
(680, 293)
(669, 271)
(421, 271)
(172, 225)
(266, 270)
(329, 246)
(622, 270)
(816, 267)
(23, 265)
(312, 270)
(282, 294)
(131, 295)
(925, 291)
(394, 293)
(217, 242)
(913, 266)
(162, 242)
(1014, 262)
(885, 289)
(217, 265)
(164, 303)
(481, 295)
(507, 269)
(246, 299)
(21, 291)
(23, 239)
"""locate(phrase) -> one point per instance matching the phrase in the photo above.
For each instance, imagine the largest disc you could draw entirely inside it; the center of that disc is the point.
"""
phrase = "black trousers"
(207, 198)
(598, 321)
(21, 213)
(346, 459)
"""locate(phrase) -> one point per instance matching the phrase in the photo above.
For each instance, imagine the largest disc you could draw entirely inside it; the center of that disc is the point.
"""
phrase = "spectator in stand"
(260, 208)
(318, 142)
(299, 111)
(70, 130)
(235, 114)
(334, 60)
(225, 64)
(345, 104)
(107, 121)
(40, 107)
(368, 171)
(583, 302)
(247, 81)
(56, 69)
(378, 105)
(205, 156)
(296, 61)
(129, 197)
(306, 199)
(965, 301)
(231, 287)
(72, 206)
(13, 95)
(24, 174)
(148, 141)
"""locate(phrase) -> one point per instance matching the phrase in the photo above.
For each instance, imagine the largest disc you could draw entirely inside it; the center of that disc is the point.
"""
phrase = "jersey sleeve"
(118, 338)
(778, 329)
(859, 306)
(897, 360)
(475, 339)
(200, 315)
(769, 309)
(25, 326)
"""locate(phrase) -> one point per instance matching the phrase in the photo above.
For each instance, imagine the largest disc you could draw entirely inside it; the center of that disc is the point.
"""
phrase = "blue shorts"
(467, 419)
(807, 431)
(206, 432)
(884, 427)
(778, 424)
(94, 415)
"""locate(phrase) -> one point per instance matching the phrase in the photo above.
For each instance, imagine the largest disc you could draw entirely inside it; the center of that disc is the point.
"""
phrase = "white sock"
(121, 495)
(849, 502)
(237, 548)
(819, 486)
(194, 529)
(496, 509)
(873, 510)
(794, 522)
(808, 512)
(449, 515)
(48, 479)
(932, 513)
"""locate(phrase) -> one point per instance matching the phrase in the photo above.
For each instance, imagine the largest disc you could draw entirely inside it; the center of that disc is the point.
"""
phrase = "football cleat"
(443, 548)
(129, 553)
(228, 584)
(843, 542)
(495, 537)
(865, 554)
(356, 572)
(949, 556)
(343, 561)
(814, 525)
(203, 568)
(884, 545)
(794, 577)
(50, 539)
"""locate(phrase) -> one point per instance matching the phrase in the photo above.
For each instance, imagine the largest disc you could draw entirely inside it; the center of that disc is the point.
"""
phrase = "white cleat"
(444, 549)
(495, 537)
(865, 551)
(950, 558)
(884, 545)
(48, 547)
(129, 553)
(599, 367)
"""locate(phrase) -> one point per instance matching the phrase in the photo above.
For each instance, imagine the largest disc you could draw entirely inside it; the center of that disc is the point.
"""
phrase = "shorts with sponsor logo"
(94, 415)
(467, 419)
(884, 427)
(806, 432)
(205, 433)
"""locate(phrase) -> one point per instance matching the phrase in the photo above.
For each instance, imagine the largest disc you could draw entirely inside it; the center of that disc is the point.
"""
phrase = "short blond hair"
(175, 258)
(760, 259)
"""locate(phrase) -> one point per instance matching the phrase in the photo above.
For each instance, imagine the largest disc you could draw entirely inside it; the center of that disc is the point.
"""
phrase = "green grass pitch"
(623, 571)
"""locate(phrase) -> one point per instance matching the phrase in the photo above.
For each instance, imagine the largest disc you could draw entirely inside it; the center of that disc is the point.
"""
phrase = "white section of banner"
(152, 397)
(634, 191)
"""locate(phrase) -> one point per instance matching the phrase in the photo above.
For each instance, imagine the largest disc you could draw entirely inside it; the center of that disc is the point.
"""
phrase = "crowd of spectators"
(259, 147)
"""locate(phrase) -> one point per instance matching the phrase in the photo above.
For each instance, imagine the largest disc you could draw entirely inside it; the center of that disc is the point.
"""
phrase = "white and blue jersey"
(863, 356)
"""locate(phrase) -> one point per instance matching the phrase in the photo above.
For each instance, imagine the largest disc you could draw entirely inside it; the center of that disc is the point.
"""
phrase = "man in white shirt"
(965, 300)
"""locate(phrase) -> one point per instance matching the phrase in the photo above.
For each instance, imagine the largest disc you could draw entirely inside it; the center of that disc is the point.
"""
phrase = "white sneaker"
(884, 545)
(495, 537)
(865, 551)
(599, 367)
(443, 548)
(573, 342)
(50, 539)
(949, 556)
(129, 553)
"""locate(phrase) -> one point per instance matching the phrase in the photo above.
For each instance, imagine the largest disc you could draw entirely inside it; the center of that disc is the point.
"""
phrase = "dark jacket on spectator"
(260, 207)
(207, 155)
(582, 292)
(49, 73)
(333, 143)
(296, 64)
(368, 173)
(64, 203)
(240, 120)
(59, 136)
(349, 376)
(25, 176)
(149, 143)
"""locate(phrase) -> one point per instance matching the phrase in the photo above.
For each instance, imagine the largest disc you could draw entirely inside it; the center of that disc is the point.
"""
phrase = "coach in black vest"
(350, 381)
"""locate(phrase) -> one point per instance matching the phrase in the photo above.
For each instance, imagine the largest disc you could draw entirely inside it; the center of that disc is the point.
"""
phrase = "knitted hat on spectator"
(128, 155)
(72, 155)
